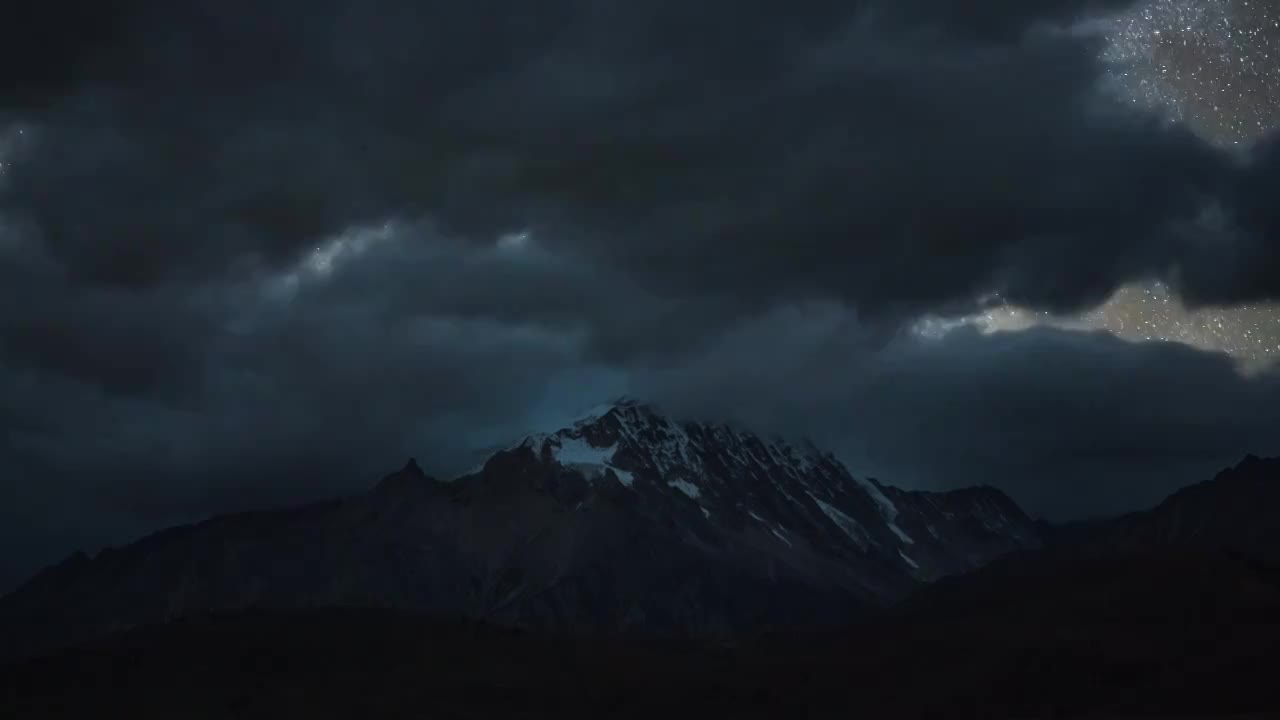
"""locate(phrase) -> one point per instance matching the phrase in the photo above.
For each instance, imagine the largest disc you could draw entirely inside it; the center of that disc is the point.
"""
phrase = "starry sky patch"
(1215, 66)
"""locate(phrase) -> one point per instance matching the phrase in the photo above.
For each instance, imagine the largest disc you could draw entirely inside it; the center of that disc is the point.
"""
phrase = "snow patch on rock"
(888, 510)
(908, 560)
(573, 451)
(687, 488)
(842, 521)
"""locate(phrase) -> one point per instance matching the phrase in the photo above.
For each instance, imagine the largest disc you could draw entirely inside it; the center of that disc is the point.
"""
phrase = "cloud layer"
(256, 252)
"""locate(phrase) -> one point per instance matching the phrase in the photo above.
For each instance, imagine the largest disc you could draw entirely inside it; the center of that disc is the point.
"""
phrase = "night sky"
(1214, 66)
(260, 253)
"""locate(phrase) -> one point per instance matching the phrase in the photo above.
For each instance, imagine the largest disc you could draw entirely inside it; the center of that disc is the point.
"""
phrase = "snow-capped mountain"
(625, 520)
(787, 494)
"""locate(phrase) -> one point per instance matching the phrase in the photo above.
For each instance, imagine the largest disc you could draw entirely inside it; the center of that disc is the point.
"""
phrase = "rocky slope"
(625, 521)
(1235, 510)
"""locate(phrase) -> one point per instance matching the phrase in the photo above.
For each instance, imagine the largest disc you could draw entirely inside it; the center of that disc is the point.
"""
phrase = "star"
(1215, 66)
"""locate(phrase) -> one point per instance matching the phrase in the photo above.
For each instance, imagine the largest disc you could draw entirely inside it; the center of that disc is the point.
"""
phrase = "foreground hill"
(1113, 621)
(1168, 636)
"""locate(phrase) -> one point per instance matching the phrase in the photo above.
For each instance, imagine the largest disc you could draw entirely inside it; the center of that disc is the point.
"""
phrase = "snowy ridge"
(576, 452)
(687, 488)
(888, 510)
(791, 489)
(844, 522)
(624, 519)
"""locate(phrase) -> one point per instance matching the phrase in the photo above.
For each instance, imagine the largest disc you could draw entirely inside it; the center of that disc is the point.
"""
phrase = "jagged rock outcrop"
(624, 521)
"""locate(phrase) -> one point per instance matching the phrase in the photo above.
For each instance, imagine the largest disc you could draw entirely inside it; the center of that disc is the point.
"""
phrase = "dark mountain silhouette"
(1133, 639)
(625, 522)
(1161, 614)
(1237, 510)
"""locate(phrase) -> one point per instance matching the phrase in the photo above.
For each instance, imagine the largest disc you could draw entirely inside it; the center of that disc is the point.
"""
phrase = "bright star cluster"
(1214, 65)
(1250, 333)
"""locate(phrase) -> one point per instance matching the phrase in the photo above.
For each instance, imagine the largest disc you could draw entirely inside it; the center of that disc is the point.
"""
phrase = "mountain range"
(624, 521)
(629, 564)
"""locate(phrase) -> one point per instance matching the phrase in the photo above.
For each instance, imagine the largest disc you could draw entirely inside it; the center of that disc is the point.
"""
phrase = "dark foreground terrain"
(1173, 612)
(628, 521)
(1153, 634)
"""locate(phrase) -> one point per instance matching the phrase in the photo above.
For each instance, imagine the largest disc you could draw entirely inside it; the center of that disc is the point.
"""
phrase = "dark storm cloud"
(48, 48)
(1242, 262)
(894, 171)
(1002, 19)
(1070, 424)
(895, 156)
(249, 251)
(327, 357)
(307, 385)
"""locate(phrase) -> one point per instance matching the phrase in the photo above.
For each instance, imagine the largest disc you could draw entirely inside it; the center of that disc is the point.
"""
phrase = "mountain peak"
(409, 475)
(622, 402)
(628, 435)
(625, 519)
(784, 493)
